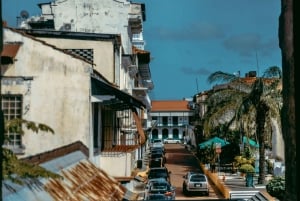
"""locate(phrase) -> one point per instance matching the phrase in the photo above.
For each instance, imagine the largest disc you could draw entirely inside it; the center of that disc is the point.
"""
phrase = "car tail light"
(168, 193)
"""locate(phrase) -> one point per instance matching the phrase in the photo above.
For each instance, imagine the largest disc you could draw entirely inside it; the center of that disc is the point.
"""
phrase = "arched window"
(175, 133)
(154, 134)
(165, 133)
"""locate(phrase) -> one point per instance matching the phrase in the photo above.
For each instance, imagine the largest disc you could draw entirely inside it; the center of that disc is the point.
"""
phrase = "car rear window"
(157, 174)
(160, 186)
(197, 178)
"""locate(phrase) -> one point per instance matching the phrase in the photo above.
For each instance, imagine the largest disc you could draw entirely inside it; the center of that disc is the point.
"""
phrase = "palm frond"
(273, 72)
(220, 76)
(16, 126)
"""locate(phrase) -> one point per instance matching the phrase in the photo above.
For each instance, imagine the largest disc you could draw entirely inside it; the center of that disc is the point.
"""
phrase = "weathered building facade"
(103, 101)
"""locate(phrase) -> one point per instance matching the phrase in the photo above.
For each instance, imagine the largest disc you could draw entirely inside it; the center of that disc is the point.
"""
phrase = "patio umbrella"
(250, 142)
(211, 141)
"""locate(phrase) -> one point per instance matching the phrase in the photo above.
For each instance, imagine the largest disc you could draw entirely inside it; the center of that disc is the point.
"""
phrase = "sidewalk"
(233, 183)
(236, 184)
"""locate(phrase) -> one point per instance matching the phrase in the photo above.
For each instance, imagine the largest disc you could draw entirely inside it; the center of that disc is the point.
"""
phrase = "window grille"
(12, 109)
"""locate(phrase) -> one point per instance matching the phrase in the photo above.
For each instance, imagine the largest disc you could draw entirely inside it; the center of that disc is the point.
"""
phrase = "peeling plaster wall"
(94, 16)
(58, 95)
(103, 53)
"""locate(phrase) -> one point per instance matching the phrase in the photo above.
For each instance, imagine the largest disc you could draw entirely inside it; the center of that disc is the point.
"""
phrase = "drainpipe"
(120, 65)
(91, 144)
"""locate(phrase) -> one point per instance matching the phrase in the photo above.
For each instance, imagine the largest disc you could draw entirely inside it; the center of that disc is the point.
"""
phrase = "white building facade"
(172, 119)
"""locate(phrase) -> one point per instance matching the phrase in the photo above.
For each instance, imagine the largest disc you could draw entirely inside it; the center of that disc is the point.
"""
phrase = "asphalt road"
(179, 161)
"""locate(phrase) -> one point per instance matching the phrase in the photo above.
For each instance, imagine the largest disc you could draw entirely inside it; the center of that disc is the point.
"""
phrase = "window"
(175, 120)
(12, 109)
(165, 121)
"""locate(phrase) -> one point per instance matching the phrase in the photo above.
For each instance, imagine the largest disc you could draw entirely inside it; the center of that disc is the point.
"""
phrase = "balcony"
(140, 91)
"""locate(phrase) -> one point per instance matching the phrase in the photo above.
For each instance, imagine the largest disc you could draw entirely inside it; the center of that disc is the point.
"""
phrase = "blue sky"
(190, 39)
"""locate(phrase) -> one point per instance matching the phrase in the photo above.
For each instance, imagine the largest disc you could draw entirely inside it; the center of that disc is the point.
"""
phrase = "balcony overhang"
(121, 99)
(140, 91)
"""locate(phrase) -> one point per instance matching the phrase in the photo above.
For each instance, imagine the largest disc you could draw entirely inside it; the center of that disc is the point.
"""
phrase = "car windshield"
(198, 178)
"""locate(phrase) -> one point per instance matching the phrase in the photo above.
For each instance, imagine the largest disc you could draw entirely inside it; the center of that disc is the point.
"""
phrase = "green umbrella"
(214, 140)
(250, 142)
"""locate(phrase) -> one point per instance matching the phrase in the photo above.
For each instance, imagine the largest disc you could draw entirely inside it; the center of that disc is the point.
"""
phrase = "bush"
(276, 187)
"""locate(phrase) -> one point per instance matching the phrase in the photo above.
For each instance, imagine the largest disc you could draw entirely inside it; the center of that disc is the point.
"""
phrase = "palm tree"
(254, 107)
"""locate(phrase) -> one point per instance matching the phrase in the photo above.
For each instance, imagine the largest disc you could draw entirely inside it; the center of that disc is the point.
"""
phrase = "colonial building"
(82, 77)
(172, 119)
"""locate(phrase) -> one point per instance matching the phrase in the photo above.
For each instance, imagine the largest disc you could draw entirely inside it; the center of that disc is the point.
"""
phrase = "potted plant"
(276, 187)
(244, 164)
(246, 168)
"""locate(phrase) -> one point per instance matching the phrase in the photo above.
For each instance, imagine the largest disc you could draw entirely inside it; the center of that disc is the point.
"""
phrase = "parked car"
(157, 143)
(158, 155)
(159, 186)
(156, 162)
(171, 141)
(159, 172)
(157, 196)
(157, 149)
(195, 182)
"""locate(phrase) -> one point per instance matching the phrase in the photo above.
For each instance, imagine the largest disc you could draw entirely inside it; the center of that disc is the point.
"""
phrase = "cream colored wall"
(118, 166)
(103, 53)
(58, 95)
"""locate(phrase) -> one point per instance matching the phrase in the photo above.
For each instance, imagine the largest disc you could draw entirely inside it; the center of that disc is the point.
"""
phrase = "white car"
(195, 182)
(171, 141)
(157, 143)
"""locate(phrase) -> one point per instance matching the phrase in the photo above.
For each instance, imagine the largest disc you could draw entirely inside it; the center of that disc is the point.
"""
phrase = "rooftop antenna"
(23, 16)
(197, 85)
(257, 64)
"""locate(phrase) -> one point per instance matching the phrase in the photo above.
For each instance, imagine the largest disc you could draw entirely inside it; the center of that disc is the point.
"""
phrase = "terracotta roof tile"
(170, 105)
(10, 50)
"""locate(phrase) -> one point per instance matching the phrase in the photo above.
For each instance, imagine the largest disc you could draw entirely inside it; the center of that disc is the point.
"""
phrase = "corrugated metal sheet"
(85, 182)
(82, 181)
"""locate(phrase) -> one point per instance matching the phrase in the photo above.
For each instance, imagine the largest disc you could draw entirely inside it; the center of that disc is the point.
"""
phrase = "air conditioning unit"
(67, 26)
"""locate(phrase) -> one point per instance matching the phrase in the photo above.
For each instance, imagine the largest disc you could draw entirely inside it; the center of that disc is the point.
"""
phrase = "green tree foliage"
(15, 169)
(21, 172)
(250, 109)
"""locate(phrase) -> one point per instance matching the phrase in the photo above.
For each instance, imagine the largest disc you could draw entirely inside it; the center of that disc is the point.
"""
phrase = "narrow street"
(179, 161)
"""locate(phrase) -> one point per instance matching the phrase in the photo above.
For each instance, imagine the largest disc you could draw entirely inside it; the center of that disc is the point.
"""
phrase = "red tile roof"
(169, 105)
